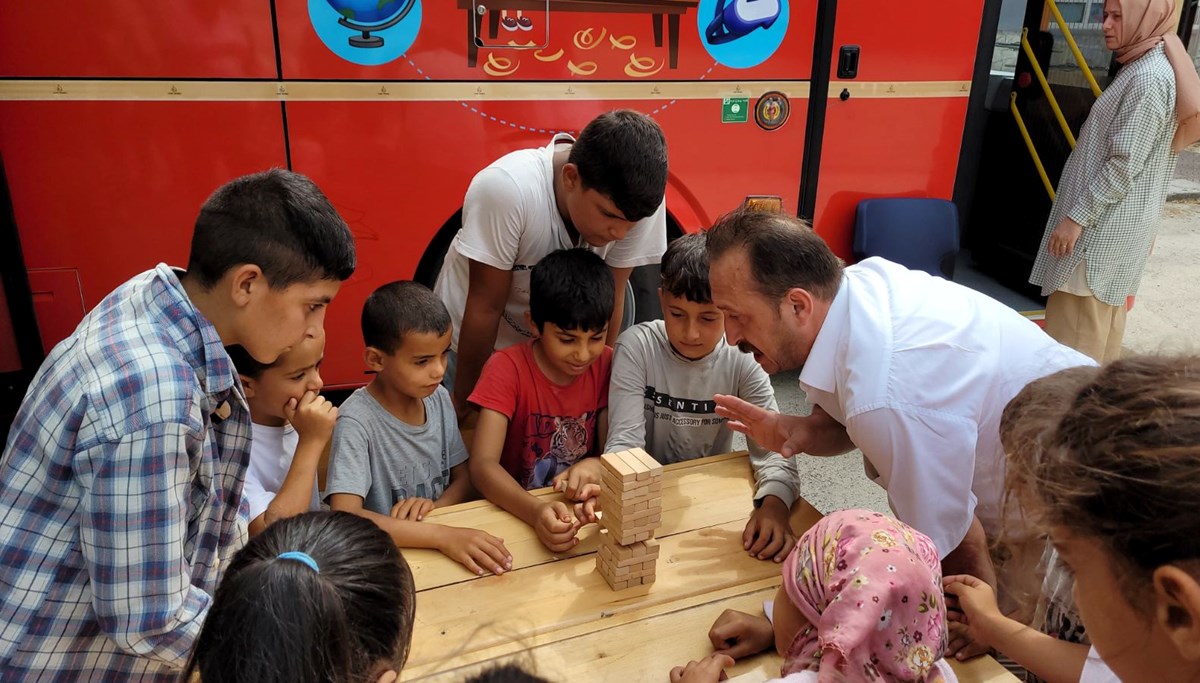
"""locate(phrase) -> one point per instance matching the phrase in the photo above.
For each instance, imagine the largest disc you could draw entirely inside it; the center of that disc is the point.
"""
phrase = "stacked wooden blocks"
(631, 502)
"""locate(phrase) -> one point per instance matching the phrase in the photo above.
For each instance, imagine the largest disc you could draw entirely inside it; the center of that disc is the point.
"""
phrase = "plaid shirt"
(120, 493)
(1115, 182)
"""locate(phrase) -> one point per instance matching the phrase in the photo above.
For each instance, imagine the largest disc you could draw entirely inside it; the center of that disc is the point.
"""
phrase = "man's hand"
(476, 550)
(573, 482)
(784, 434)
(1063, 239)
(556, 528)
(739, 635)
(768, 534)
(312, 417)
(412, 509)
(708, 670)
(972, 613)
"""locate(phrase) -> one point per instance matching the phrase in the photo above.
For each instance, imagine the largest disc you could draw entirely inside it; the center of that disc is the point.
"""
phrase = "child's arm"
(459, 490)
(1052, 660)
(626, 396)
(474, 549)
(768, 534)
(139, 499)
(552, 521)
(740, 635)
(487, 294)
(313, 418)
(620, 278)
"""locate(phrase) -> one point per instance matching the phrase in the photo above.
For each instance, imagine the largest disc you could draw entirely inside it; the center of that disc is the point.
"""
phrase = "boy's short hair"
(622, 154)
(400, 308)
(685, 269)
(277, 220)
(245, 364)
(572, 288)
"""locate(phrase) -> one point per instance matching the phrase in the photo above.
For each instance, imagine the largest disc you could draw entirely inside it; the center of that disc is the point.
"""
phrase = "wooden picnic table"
(555, 615)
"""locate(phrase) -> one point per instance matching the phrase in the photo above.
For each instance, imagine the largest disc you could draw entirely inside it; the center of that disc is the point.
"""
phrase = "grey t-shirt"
(377, 456)
(663, 402)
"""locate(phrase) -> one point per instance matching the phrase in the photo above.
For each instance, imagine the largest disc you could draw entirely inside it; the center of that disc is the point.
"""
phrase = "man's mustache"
(746, 347)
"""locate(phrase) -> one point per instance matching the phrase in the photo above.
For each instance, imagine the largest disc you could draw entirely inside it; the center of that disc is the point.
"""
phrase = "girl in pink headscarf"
(1112, 190)
(861, 600)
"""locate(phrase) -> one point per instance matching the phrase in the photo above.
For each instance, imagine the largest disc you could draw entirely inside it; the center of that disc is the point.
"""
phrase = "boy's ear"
(570, 176)
(248, 386)
(373, 357)
(1177, 609)
(529, 323)
(245, 282)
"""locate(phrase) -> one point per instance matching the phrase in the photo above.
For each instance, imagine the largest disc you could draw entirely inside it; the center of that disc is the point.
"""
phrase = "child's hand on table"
(478, 551)
(574, 482)
(412, 509)
(555, 527)
(707, 670)
(739, 635)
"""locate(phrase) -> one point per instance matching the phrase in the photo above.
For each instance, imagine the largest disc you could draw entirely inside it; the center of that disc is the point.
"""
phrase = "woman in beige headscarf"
(1112, 191)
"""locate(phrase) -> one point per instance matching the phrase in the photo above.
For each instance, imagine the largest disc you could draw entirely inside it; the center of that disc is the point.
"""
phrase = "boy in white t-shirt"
(292, 425)
(603, 191)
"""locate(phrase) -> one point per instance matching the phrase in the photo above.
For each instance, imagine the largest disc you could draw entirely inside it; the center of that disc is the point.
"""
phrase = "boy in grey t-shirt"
(664, 375)
(396, 452)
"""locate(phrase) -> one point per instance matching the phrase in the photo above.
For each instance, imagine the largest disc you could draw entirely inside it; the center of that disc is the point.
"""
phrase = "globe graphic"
(366, 11)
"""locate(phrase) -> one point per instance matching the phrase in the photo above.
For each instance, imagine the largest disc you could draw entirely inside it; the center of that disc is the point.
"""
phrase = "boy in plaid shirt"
(121, 483)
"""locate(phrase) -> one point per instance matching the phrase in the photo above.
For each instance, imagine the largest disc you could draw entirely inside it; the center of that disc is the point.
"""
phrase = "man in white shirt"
(912, 369)
(603, 191)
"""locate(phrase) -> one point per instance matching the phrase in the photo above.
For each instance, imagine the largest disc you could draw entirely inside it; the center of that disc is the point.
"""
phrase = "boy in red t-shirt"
(544, 404)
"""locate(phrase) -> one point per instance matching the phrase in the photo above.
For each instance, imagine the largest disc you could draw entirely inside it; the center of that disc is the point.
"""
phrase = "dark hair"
(783, 251)
(277, 220)
(245, 364)
(506, 673)
(400, 308)
(622, 154)
(1123, 468)
(572, 288)
(685, 269)
(278, 620)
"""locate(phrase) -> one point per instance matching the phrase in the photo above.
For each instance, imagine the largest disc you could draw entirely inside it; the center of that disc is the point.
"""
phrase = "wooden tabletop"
(555, 615)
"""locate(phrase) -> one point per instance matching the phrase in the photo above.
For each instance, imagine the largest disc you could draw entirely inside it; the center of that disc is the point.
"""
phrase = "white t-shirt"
(271, 451)
(919, 370)
(1096, 671)
(510, 221)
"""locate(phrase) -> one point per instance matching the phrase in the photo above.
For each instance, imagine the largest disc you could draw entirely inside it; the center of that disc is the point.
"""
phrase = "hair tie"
(303, 558)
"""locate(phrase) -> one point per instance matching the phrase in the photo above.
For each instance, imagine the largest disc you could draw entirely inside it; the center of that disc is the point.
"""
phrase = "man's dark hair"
(685, 269)
(245, 364)
(277, 220)
(783, 251)
(622, 154)
(400, 308)
(572, 288)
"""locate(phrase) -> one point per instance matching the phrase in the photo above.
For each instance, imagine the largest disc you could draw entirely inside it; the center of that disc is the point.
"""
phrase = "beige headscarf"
(1146, 23)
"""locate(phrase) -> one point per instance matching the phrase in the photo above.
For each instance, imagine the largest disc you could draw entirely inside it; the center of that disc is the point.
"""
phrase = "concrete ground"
(1165, 318)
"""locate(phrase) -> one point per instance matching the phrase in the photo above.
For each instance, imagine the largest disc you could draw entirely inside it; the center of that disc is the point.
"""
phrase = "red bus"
(117, 119)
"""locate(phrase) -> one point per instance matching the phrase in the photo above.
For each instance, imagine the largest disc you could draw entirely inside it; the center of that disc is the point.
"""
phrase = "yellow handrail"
(1037, 71)
(1037, 161)
(1087, 72)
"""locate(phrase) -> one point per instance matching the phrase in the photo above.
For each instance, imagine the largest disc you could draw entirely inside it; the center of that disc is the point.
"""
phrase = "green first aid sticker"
(735, 110)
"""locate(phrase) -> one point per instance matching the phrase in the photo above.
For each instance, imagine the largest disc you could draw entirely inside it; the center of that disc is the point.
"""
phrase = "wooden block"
(636, 495)
(639, 467)
(619, 585)
(618, 467)
(647, 461)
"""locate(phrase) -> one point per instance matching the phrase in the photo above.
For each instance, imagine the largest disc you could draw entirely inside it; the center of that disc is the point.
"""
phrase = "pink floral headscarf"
(871, 589)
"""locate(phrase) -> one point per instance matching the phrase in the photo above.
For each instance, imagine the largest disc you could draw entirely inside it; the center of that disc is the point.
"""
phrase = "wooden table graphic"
(556, 615)
(673, 10)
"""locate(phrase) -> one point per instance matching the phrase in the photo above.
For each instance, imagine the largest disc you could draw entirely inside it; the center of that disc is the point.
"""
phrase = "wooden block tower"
(631, 502)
